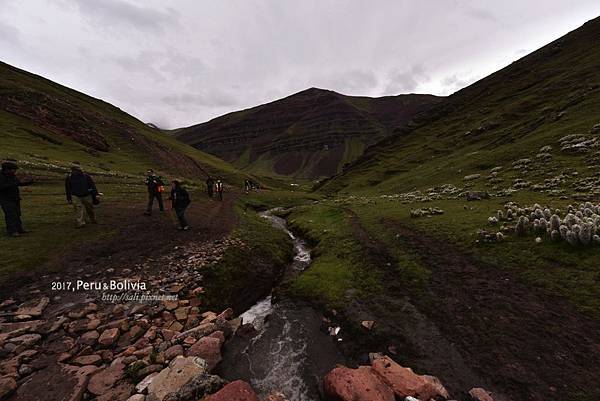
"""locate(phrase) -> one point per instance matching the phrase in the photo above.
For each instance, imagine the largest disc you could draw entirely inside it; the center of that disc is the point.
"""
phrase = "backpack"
(184, 197)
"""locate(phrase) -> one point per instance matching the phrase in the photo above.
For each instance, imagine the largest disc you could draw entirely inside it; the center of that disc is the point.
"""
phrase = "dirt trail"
(400, 323)
(131, 237)
(526, 344)
(139, 247)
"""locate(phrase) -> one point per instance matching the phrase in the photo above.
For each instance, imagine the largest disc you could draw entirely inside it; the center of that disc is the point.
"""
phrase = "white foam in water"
(302, 258)
(286, 350)
(287, 357)
(256, 314)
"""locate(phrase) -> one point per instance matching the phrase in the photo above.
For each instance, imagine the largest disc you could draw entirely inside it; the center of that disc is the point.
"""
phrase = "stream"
(290, 353)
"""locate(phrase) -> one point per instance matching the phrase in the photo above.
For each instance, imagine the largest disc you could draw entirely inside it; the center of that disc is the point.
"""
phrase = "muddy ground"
(477, 325)
(132, 238)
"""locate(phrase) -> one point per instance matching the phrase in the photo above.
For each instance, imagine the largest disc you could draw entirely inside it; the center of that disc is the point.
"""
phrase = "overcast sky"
(180, 62)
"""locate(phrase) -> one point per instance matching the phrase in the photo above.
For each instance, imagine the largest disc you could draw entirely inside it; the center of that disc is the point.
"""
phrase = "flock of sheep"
(580, 224)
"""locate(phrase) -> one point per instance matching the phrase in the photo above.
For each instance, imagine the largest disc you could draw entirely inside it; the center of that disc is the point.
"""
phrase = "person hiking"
(210, 184)
(219, 189)
(81, 192)
(180, 200)
(10, 198)
(156, 187)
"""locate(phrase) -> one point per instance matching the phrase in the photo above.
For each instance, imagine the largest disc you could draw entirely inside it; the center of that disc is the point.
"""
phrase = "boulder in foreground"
(404, 382)
(235, 391)
(345, 384)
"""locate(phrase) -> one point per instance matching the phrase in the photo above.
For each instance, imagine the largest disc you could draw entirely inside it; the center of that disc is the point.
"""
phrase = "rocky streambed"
(78, 346)
(288, 351)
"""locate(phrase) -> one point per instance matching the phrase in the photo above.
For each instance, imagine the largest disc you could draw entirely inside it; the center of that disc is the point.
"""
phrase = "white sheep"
(554, 222)
(555, 235)
(547, 214)
(572, 238)
(493, 220)
(585, 234)
(521, 226)
(563, 230)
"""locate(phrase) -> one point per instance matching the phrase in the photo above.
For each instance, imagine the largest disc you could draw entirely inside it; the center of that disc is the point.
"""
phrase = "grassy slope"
(25, 139)
(46, 155)
(532, 103)
(507, 116)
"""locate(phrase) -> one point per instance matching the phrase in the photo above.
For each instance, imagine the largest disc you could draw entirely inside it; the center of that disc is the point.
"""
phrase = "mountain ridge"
(310, 134)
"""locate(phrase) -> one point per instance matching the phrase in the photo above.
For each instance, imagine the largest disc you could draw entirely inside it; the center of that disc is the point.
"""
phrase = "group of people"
(81, 192)
(180, 198)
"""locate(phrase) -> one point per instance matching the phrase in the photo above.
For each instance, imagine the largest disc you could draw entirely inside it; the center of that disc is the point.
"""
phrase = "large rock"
(236, 391)
(57, 382)
(207, 348)
(88, 360)
(143, 385)
(405, 382)
(173, 351)
(89, 337)
(197, 388)
(101, 382)
(33, 308)
(362, 384)
(169, 380)
(26, 340)
(7, 386)
(109, 336)
(479, 394)
(120, 392)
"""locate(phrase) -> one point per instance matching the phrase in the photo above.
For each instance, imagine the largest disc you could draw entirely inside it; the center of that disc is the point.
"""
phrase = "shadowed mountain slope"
(310, 134)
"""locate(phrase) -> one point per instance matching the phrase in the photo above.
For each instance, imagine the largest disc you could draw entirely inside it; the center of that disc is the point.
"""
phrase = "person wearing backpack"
(82, 194)
(156, 187)
(180, 200)
(210, 184)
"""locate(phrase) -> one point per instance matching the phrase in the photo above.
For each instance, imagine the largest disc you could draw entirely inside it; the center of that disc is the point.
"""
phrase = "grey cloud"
(9, 34)
(452, 83)
(213, 99)
(405, 81)
(351, 81)
(180, 62)
(111, 13)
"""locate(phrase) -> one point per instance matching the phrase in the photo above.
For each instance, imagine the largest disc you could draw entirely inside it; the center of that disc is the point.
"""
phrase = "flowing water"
(290, 354)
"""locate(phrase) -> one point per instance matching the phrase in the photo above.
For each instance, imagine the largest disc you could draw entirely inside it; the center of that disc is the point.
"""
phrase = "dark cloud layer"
(180, 62)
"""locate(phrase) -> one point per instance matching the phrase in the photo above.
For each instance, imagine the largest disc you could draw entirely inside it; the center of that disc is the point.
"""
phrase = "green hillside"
(46, 127)
(536, 109)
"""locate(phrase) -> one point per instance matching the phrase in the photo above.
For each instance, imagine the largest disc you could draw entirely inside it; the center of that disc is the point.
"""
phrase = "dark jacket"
(79, 184)
(9, 188)
(180, 198)
(153, 183)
